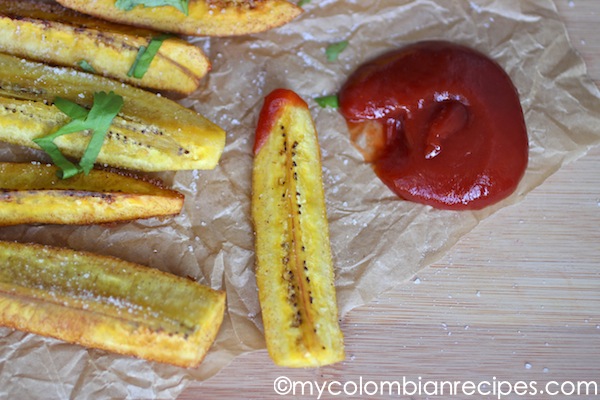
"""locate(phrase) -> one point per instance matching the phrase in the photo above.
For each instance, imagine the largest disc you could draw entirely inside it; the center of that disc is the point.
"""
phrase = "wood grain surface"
(518, 298)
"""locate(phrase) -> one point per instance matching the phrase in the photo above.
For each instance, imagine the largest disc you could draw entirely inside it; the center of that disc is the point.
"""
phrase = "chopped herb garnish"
(97, 120)
(145, 56)
(73, 110)
(303, 2)
(86, 66)
(128, 5)
(328, 101)
(333, 50)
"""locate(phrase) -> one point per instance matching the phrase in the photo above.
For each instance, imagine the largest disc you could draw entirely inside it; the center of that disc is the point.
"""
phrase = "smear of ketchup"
(274, 105)
(441, 124)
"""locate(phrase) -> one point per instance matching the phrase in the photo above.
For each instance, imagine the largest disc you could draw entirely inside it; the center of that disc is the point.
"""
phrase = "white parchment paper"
(378, 241)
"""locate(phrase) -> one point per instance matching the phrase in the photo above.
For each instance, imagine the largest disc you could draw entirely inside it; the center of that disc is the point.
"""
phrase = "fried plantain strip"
(45, 31)
(32, 194)
(151, 133)
(294, 268)
(107, 303)
(204, 18)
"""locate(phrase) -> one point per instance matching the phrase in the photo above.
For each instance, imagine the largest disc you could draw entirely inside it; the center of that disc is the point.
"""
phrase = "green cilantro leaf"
(97, 120)
(328, 101)
(303, 2)
(128, 5)
(73, 110)
(103, 112)
(86, 66)
(67, 168)
(145, 56)
(333, 50)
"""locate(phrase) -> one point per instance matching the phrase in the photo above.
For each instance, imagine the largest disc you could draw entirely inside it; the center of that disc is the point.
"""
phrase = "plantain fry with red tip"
(45, 31)
(107, 303)
(203, 17)
(294, 268)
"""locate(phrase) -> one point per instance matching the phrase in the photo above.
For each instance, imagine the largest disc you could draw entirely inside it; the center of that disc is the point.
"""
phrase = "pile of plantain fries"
(79, 81)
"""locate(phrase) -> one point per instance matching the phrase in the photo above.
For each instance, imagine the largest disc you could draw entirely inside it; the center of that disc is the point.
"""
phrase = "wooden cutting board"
(517, 299)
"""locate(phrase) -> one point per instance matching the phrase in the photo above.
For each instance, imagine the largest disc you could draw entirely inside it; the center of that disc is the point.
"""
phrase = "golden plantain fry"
(107, 303)
(32, 194)
(45, 31)
(151, 133)
(205, 17)
(294, 269)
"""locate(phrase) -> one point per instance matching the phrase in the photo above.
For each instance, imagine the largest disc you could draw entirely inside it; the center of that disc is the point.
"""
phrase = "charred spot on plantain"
(296, 320)
(136, 127)
(247, 4)
(6, 195)
(125, 139)
(299, 317)
(154, 131)
(108, 198)
(21, 89)
(14, 110)
(108, 39)
(292, 289)
(15, 16)
(292, 295)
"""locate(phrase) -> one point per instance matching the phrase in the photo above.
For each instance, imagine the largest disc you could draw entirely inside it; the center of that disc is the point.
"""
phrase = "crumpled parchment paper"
(377, 240)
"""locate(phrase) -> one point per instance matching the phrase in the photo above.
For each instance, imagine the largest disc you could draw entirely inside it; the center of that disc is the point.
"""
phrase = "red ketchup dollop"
(441, 124)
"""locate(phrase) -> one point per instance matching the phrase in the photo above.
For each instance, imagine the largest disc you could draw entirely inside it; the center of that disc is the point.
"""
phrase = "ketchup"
(441, 124)
(274, 105)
